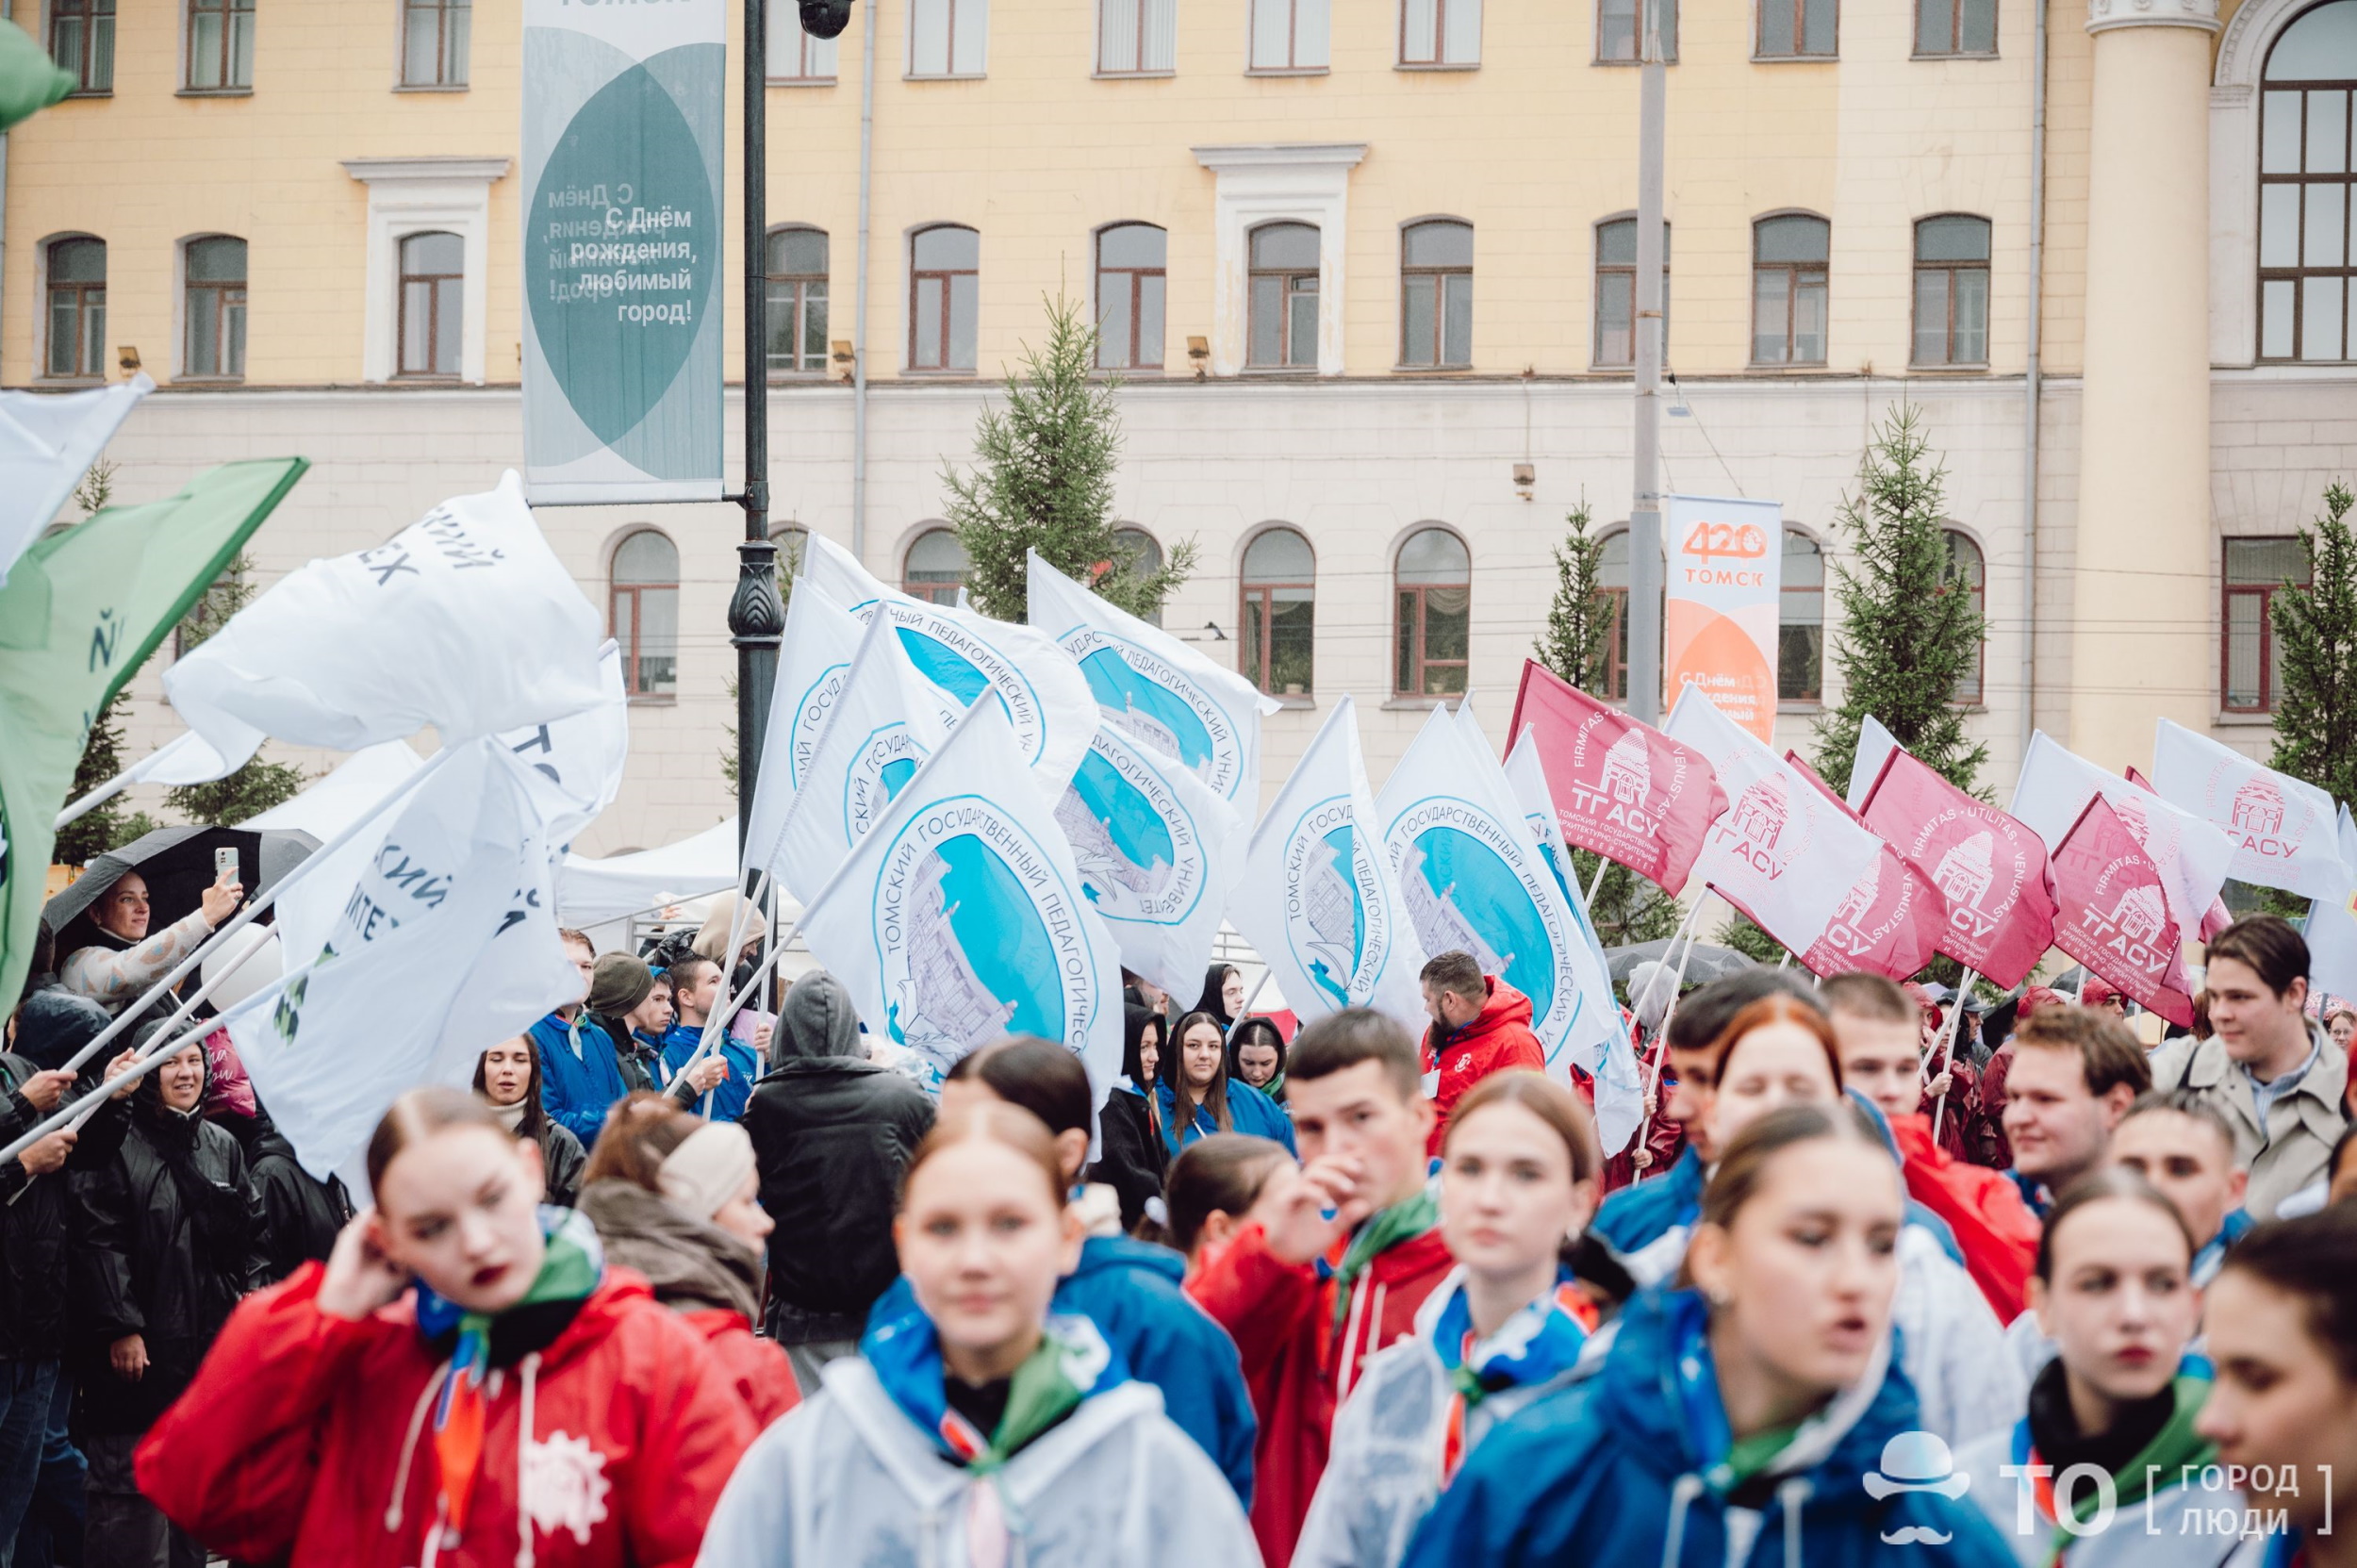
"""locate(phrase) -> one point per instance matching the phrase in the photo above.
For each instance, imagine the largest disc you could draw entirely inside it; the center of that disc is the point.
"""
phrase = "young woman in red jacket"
(462, 1383)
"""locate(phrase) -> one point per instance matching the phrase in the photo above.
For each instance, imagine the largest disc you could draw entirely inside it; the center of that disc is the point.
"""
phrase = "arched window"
(1130, 283)
(1432, 587)
(796, 313)
(213, 305)
(1284, 305)
(1969, 572)
(1278, 616)
(1951, 290)
(1616, 291)
(1142, 555)
(2306, 269)
(1789, 255)
(1801, 621)
(642, 612)
(944, 299)
(432, 314)
(1435, 294)
(935, 567)
(78, 307)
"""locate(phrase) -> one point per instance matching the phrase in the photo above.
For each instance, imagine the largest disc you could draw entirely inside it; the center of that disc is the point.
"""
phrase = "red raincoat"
(305, 1440)
(1281, 1316)
(764, 1376)
(1497, 1040)
(1995, 1229)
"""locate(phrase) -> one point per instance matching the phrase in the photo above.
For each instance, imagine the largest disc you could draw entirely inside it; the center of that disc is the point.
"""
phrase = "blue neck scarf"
(1541, 1340)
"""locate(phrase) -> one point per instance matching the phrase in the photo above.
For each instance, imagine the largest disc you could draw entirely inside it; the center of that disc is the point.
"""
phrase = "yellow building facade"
(1386, 229)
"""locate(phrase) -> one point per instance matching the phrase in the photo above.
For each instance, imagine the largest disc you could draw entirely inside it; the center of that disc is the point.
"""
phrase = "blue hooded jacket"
(577, 1091)
(1607, 1472)
(1247, 1108)
(726, 1102)
(1130, 1290)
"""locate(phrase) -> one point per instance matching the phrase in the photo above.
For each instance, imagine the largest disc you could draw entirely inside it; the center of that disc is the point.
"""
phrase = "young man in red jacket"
(1333, 1260)
(1876, 1029)
(1480, 1025)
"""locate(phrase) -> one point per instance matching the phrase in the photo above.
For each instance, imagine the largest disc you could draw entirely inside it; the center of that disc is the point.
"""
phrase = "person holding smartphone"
(110, 955)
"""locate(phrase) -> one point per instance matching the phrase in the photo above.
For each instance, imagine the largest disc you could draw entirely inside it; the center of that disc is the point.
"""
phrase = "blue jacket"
(1606, 1472)
(726, 1102)
(577, 1090)
(1130, 1290)
(1247, 1108)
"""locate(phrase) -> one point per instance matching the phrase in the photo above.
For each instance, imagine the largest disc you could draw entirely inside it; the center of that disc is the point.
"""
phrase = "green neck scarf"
(1383, 1230)
(2173, 1449)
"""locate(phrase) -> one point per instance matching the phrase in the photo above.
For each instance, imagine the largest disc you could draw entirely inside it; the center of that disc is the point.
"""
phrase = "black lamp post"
(756, 614)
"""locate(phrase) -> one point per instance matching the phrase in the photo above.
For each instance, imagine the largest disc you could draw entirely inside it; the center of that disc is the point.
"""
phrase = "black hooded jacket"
(34, 1213)
(831, 1133)
(304, 1215)
(166, 1236)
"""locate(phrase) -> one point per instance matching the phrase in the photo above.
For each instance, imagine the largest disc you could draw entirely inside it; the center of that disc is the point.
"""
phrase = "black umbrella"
(1708, 963)
(177, 863)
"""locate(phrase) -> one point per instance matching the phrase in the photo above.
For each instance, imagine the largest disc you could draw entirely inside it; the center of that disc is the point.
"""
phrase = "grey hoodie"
(818, 1020)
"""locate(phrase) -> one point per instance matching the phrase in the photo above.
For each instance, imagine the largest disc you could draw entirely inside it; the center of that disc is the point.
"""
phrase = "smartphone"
(225, 864)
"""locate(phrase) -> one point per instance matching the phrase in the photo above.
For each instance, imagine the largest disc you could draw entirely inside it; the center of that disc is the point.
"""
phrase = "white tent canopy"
(327, 807)
(593, 892)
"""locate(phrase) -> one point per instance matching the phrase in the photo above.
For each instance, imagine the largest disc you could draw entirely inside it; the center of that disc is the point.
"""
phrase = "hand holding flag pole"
(1661, 1042)
(1948, 1046)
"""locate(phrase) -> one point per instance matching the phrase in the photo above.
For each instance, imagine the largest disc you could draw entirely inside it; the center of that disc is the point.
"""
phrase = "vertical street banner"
(1719, 627)
(622, 250)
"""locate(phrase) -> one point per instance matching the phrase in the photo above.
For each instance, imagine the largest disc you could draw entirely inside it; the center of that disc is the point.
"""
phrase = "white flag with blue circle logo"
(1042, 692)
(960, 916)
(1317, 896)
(1156, 689)
(1158, 851)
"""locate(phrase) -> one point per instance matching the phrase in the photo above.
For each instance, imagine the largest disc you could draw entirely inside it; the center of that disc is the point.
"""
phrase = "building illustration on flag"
(1118, 839)
(2141, 914)
(1626, 774)
(1433, 868)
(1965, 872)
(2259, 808)
(1328, 921)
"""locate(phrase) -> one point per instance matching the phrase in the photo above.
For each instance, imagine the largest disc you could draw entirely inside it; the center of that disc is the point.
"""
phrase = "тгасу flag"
(1157, 850)
(81, 612)
(2192, 854)
(2283, 830)
(959, 917)
(1783, 853)
(1622, 788)
(1318, 899)
(1155, 689)
(2112, 913)
(1046, 697)
(1888, 924)
(464, 621)
(1988, 869)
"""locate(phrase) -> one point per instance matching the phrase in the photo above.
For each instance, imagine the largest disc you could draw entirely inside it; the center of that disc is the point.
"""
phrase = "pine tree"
(2315, 637)
(100, 829)
(1910, 633)
(1043, 479)
(258, 785)
(1576, 645)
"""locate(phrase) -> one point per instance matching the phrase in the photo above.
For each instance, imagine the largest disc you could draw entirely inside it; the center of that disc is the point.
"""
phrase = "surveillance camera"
(826, 17)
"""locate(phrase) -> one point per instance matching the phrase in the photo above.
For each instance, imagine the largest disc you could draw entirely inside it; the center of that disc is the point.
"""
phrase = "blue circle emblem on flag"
(1152, 700)
(1138, 848)
(1337, 922)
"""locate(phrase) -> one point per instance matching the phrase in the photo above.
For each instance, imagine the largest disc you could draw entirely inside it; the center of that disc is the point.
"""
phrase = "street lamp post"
(1644, 517)
(756, 614)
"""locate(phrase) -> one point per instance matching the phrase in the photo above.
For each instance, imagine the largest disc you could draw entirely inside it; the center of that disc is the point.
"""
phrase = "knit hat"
(619, 983)
(708, 1169)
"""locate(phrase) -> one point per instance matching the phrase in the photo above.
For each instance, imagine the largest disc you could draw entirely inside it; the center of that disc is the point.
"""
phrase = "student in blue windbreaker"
(1199, 1098)
(580, 1075)
(1748, 1415)
(695, 990)
(1129, 1289)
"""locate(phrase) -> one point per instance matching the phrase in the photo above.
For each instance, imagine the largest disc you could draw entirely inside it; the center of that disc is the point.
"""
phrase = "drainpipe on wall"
(869, 25)
(2030, 395)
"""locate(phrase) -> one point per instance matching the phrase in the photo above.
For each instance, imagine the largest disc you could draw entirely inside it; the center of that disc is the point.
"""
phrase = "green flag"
(30, 81)
(81, 612)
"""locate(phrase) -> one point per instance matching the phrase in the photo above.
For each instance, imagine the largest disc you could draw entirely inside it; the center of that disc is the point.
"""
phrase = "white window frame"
(1169, 49)
(784, 23)
(1272, 182)
(975, 11)
(1443, 12)
(1293, 67)
(415, 195)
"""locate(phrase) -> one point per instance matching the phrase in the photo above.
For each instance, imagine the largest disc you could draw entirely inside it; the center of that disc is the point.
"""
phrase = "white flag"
(2332, 925)
(1455, 841)
(880, 728)
(1782, 852)
(1045, 694)
(960, 916)
(2191, 854)
(1317, 898)
(1875, 746)
(186, 758)
(464, 621)
(1155, 689)
(1158, 853)
(576, 762)
(48, 440)
(2284, 831)
(446, 944)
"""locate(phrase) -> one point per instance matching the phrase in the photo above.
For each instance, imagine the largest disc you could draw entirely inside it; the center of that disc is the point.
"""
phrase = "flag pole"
(75, 811)
(1595, 882)
(1947, 1046)
(1258, 987)
(245, 917)
(1661, 1043)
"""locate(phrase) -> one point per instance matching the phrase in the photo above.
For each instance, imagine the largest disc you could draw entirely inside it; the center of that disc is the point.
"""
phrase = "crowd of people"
(1877, 1283)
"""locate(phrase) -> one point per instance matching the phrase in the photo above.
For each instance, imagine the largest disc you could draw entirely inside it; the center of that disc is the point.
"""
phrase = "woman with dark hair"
(1223, 995)
(677, 1198)
(1199, 1098)
(2112, 1289)
(507, 1076)
(1256, 1055)
(1131, 1155)
(1747, 1415)
(110, 955)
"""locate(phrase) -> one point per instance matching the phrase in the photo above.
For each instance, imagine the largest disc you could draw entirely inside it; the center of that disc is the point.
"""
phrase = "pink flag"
(1622, 788)
(2113, 914)
(2217, 917)
(1888, 924)
(1988, 869)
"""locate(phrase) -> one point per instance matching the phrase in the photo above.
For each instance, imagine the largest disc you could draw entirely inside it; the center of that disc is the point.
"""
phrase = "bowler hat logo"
(1916, 1462)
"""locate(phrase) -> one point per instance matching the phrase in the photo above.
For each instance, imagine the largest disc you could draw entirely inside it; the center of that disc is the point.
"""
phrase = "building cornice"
(368, 171)
(1281, 155)
(2105, 15)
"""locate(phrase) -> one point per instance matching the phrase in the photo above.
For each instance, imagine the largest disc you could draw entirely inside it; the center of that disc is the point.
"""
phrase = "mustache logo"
(1915, 1535)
